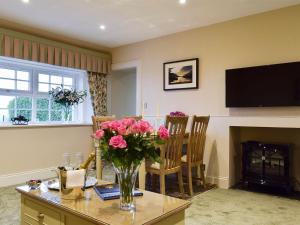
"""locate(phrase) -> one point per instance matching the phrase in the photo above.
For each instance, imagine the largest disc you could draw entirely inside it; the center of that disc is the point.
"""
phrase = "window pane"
(5, 73)
(7, 102)
(56, 106)
(42, 103)
(25, 113)
(22, 75)
(53, 86)
(42, 115)
(71, 116)
(23, 85)
(67, 87)
(24, 103)
(11, 114)
(43, 78)
(7, 84)
(56, 80)
(6, 115)
(68, 81)
(56, 116)
(43, 87)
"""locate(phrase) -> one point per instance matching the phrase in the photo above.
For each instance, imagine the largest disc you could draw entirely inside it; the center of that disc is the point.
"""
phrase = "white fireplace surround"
(220, 142)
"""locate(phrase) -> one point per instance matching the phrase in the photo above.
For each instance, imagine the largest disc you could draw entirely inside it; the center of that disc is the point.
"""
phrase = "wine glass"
(77, 159)
(67, 160)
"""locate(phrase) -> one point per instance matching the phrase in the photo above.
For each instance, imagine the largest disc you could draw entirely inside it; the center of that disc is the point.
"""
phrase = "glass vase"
(67, 113)
(126, 179)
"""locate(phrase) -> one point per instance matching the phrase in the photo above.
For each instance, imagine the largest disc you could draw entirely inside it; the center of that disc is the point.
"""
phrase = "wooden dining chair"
(137, 118)
(97, 120)
(195, 150)
(170, 153)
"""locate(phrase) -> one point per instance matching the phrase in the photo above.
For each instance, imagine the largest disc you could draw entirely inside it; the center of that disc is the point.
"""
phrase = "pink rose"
(117, 142)
(114, 125)
(141, 127)
(163, 132)
(135, 128)
(105, 125)
(122, 130)
(145, 126)
(99, 134)
(127, 121)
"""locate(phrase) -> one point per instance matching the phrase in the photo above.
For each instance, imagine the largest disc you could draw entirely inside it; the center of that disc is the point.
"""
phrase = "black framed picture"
(181, 74)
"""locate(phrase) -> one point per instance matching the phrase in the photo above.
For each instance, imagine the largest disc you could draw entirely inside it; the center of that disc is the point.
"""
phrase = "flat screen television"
(264, 86)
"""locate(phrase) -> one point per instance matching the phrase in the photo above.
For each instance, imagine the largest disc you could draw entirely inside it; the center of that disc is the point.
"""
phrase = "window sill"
(45, 125)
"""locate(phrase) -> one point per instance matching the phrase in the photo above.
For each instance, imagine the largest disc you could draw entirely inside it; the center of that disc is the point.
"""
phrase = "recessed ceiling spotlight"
(102, 27)
(25, 1)
(182, 2)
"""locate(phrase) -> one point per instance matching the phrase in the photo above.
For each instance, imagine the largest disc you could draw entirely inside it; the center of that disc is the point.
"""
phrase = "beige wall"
(35, 148)
(272, 37)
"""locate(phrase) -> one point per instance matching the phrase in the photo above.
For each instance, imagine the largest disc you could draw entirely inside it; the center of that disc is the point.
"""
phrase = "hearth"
(267, 164)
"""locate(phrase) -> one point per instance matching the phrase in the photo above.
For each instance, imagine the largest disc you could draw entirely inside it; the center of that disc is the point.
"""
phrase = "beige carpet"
(9, 206)
(237, 207)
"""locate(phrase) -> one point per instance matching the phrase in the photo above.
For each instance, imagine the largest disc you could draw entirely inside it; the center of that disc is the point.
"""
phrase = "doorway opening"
(123, 92)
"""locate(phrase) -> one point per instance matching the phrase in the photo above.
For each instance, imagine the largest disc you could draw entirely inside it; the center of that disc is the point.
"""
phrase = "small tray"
(54, 184)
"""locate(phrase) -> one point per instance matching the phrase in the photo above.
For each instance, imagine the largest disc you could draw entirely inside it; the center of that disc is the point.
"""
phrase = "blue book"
(108, 192)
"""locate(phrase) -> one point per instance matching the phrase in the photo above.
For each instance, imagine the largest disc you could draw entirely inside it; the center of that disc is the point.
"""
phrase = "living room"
(145, 38)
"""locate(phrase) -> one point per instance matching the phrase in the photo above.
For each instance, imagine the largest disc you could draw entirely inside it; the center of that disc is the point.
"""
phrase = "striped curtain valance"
(54, 53)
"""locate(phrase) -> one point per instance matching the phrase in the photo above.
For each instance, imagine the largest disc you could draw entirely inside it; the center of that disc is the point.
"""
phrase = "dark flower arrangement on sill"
(20, 120)
(177, 113)
(67, 98)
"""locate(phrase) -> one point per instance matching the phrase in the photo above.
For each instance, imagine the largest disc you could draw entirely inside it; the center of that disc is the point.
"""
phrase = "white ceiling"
(128, 21)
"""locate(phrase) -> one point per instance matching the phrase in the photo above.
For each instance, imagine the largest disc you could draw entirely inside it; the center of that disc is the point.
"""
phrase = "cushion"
(155, 165)
(184, 158)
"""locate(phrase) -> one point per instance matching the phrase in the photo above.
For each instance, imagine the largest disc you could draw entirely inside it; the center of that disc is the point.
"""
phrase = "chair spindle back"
(137, 118)
(97, 120)
(173, 147)
(197, 138)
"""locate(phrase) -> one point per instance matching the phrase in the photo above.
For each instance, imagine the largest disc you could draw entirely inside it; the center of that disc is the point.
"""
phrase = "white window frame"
(19, 68)
(79, 82)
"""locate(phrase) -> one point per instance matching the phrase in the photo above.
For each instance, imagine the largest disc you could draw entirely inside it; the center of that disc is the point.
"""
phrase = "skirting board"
(22, 177)
(221, 182)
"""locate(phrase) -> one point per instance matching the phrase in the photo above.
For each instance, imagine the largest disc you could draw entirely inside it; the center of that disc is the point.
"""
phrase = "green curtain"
(98, 91)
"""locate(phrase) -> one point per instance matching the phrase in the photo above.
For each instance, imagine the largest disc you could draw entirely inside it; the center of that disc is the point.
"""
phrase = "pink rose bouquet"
(127, 142)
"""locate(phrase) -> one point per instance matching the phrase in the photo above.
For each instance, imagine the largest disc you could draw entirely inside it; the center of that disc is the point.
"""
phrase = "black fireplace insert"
(267, 164)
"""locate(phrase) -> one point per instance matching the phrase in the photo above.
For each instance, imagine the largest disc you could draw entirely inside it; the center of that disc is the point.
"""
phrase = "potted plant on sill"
(67, 98)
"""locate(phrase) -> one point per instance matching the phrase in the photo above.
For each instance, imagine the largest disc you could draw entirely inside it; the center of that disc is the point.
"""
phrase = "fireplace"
(262, 161)
(267, 164)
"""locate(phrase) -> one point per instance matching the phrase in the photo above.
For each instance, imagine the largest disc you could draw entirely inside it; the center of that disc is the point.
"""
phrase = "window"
(24, 88)
(48, 81)
(14, 79)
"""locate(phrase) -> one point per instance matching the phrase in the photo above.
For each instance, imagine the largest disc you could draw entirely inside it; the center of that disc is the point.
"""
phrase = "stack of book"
(112, 191)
